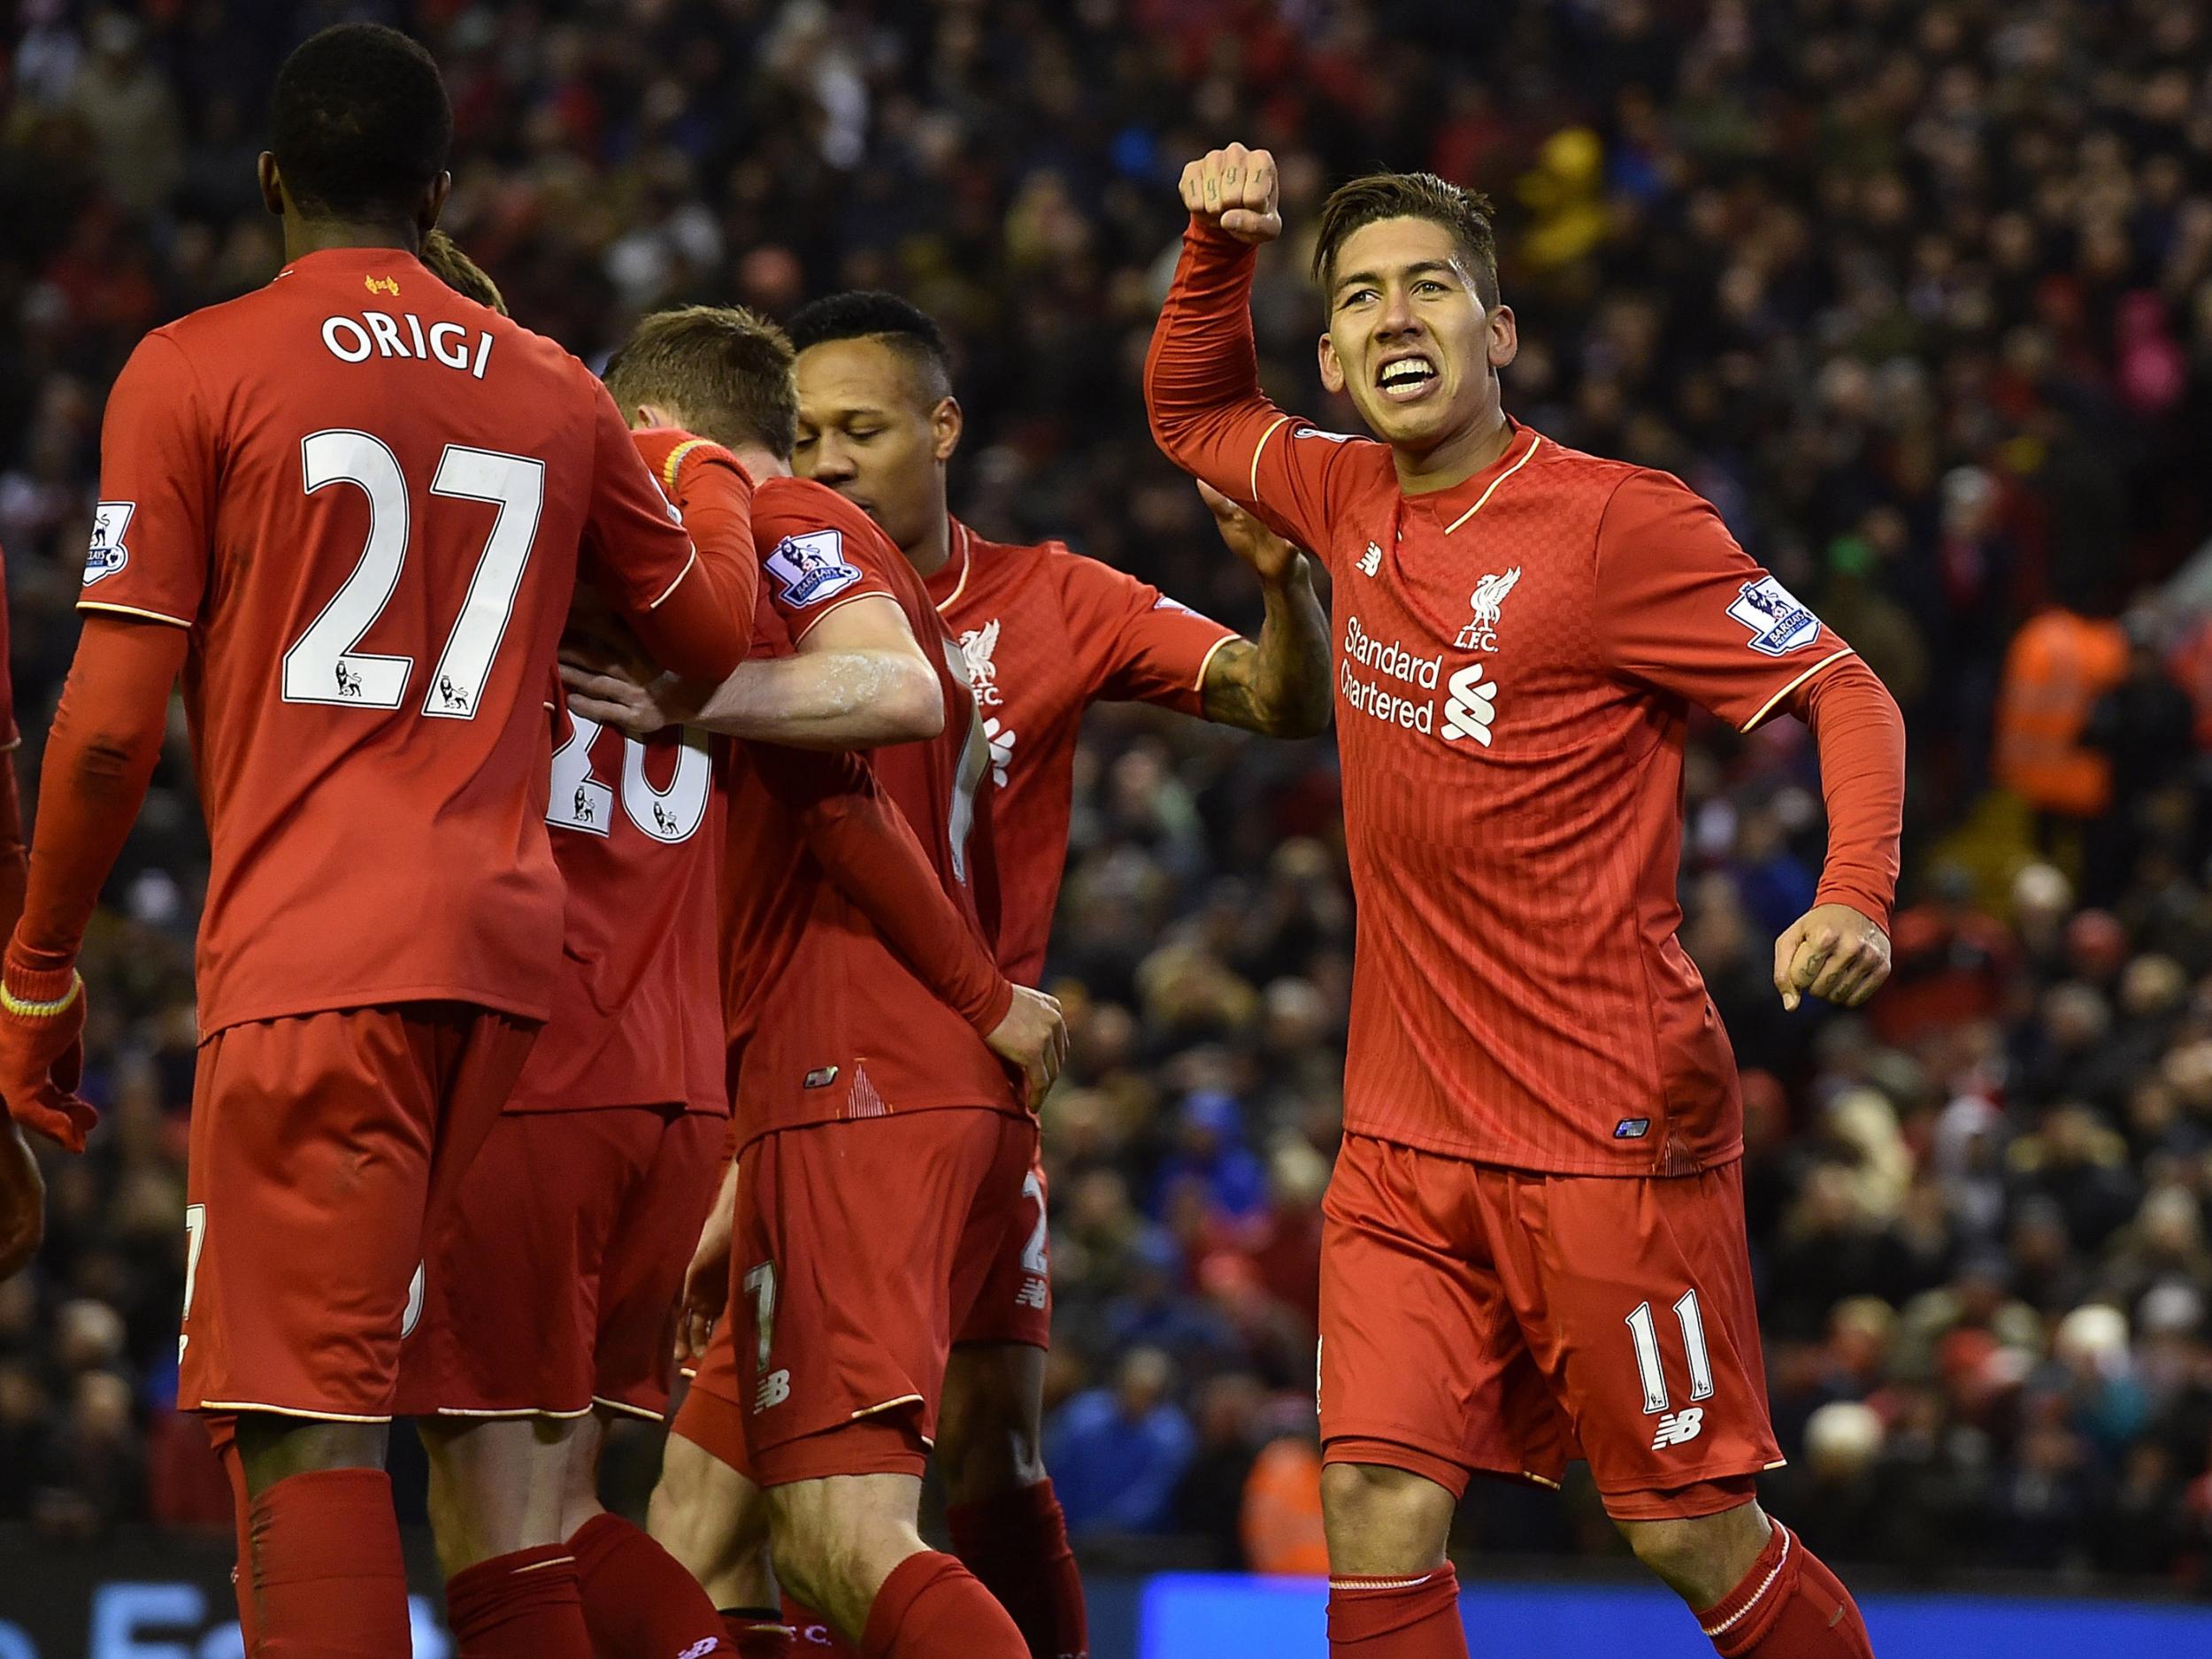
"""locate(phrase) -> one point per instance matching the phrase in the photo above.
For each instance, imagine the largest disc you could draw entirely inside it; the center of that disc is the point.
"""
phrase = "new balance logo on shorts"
(701, 1648)
(775, 1388)
(1679, 1428)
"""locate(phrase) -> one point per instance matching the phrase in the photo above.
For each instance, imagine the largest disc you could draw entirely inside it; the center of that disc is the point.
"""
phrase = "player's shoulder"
(794, 505)
(1620, 491)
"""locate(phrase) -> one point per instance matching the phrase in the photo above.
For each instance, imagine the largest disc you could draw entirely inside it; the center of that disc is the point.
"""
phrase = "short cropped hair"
(445, 261)
(871, 314)
(359, 123)
(726, 368)
(1379, 195)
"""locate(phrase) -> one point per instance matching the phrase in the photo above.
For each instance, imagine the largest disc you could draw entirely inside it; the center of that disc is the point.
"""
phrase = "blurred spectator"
(1116, 1454)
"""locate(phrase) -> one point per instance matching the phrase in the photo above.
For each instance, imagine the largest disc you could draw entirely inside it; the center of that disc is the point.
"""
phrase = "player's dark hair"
(445, 261)
(871, 314)
(1379, 195)
(727, 370)
(359, 123)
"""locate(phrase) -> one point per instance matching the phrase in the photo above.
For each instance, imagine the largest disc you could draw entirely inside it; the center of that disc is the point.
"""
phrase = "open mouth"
(1405, 379)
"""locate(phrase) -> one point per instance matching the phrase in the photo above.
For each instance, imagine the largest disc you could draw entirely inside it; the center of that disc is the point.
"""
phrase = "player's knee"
(1701, 1559)
(990, 1435)
(1383, 1520)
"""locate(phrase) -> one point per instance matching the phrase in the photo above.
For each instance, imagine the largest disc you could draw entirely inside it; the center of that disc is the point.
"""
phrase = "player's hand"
(1033, 1036)
(1833, 953)
(1235, 188)
(608, 696)
(707, 1280)
(22, 1201)
(42, 1048)
(1271, 557)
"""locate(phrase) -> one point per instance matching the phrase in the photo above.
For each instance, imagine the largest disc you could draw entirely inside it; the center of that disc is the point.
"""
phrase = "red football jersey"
(1517, 657)
(365, 495)
(638, 831)
(1046, 634)
(831, 1022)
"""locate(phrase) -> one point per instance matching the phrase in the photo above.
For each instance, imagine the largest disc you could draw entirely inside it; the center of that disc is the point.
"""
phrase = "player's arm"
(1279, 684)
(1202, 373)
(144, 584)
(685, 611)
(858, 680)
(871, 855)
(1683, 608)
(100, 755)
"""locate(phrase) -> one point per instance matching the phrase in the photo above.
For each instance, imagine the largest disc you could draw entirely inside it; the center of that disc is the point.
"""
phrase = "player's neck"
(761, 462)
(933, 551)
(303, 236)
(1458, 458)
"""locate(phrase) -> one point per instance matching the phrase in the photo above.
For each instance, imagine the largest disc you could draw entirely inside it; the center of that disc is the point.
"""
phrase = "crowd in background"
(1918, 292)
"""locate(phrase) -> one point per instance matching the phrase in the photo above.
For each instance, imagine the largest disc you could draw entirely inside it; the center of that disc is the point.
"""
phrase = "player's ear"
(1332, 370)
(265, 174)
(1505, 336)
(652, 415)
(433, 203)
(946, 424)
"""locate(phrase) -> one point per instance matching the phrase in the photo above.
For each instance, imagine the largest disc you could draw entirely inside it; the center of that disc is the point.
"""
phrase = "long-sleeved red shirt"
(1516, 656)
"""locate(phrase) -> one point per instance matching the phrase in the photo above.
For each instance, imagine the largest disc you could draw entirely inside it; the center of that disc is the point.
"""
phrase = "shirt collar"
(951, 580)
(1454, 507)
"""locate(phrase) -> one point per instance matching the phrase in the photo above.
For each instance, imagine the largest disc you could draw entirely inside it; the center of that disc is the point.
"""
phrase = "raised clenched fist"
(1235, 188)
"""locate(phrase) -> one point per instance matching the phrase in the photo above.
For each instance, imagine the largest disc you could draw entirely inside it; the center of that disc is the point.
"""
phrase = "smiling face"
(1409, 337)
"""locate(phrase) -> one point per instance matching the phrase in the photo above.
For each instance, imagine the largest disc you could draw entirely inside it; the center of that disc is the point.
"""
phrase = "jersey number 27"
(323, 665)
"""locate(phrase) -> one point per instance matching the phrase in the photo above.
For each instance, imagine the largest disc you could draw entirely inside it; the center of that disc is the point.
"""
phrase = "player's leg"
(497, 1373)
(711, 1518)
(310, 1171)
(639, 1602)
(1641, 1316)
(847, 1322)
(1005, 1520)
(1417, 1388)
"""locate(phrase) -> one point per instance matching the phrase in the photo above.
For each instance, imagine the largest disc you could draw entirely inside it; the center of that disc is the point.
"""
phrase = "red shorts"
(555, 1286)
(325, 1150)
(1475, 1317)
(860, 1249)
(1015, 1304)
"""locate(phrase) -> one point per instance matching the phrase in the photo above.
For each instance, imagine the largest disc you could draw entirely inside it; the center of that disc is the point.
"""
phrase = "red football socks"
(1789, 1606)
(328, 1582)
(1398, 1619)
(639, 1603)
(522, 1605)
(932, 1608)
(1016, 1543)
(758, 1633)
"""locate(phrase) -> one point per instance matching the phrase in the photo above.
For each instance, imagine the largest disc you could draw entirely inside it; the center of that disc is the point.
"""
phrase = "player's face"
(868, 432)
(1409, 338)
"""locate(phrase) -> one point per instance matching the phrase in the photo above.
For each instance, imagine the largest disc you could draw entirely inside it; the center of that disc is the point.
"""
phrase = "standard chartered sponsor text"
(1390, 660)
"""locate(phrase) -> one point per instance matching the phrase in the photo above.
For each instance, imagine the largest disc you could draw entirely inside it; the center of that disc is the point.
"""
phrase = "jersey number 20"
(324, 666)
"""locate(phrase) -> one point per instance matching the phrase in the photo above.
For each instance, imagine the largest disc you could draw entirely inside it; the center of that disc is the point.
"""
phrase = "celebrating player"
(884, 1152)
(350, 507)
(1045, 633)
(1534, 1243)
(549, 1295)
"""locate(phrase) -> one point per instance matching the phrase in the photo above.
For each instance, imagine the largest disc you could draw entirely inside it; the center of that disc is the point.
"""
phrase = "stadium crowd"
(1920, 295)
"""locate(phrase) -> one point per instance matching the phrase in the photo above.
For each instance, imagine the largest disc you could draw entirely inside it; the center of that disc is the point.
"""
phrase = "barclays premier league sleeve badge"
(812, 568)
(1778, 624)
(107, 554)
